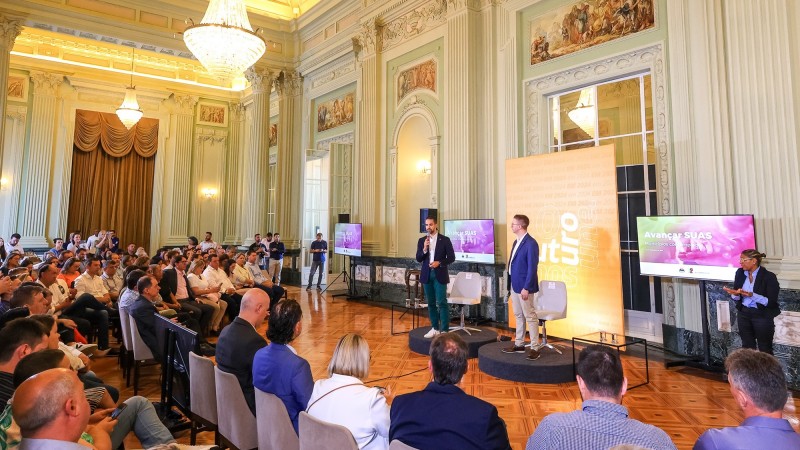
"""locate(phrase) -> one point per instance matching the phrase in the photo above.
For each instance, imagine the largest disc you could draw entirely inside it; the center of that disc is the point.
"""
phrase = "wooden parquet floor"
(683, 402)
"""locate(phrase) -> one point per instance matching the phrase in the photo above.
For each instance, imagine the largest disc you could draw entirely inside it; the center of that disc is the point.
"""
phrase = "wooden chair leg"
(136, 378)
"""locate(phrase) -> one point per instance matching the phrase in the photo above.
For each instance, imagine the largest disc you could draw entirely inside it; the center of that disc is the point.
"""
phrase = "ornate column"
(179, 184)
(36, 200)
(256, 157)
(9, 30)
(232, 205)
(368, 146)
(289, 189)
(459, 162)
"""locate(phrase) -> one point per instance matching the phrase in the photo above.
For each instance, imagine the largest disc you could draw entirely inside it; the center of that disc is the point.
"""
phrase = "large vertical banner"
(571, 200)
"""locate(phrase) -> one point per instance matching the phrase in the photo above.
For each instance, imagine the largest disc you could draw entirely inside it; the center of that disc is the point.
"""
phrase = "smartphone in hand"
(118, 411)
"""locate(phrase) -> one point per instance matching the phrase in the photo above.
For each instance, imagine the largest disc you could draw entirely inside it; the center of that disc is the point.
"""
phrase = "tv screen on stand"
(347, 239)
(473, 239)
(696, 247)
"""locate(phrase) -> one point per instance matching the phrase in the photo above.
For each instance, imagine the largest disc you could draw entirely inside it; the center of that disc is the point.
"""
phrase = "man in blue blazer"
(523, 284)
(435, 252)
(442, 416)
(277, 369)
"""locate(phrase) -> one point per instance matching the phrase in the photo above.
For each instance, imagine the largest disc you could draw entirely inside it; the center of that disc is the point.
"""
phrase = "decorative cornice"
(367, 41)
(9, 30)
(456, 6)
(413, 23)
(213, 135)
(260, 80)
(291, 85)
(337, 72)
(347, 138)
(46, 83)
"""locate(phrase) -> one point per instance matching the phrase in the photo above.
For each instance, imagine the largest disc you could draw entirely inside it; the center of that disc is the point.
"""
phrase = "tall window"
(618, 112)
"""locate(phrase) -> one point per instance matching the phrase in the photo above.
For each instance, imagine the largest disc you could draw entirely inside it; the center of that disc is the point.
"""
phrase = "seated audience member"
(207, 294)
(276, 368)
(216, 276)
(113, 241)
(175, 290)
(92, 295)
(208, 243)
(58, 247)
(7, 288)
(139, 417)
(70, 271)
(91, 242)
(69, 312)
(274, 291)
(239, 342)
(344, 400)
(240, 276)
(3, 253)
(131, 292)
(13, 244)
(11, 262)
(18, 339)
(461, 421)
(75, 242)
(602, 422)
(110, 281)
(131, 250)
(30, 296)
(143, 312)
(758, 385)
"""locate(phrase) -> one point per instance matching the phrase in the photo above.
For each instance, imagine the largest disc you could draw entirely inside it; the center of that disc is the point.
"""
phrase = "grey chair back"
(202, 388)
(466, 288)
(397, 445)
(125, 325)
(316, 434)
(235, 421)
(141, 351)
(275, 430)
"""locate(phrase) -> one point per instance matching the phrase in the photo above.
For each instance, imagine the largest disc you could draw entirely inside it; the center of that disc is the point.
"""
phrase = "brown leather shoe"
(514, 349)
(533, 355)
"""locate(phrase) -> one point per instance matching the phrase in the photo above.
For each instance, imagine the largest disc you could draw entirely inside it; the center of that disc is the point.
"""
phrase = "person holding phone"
(755, 291)
(435, 252)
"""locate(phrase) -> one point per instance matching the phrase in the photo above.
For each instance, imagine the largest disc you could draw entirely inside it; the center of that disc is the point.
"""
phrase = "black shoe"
(514, 349)
(207, 350)
(308, 288)
(533, 355)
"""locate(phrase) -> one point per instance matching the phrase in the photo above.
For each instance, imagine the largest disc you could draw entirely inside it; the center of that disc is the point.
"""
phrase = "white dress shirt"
(217, 277)
(181, 292)
(360, 409)
(240, 275)
(87, 284)
(205, 245)
(432, 246)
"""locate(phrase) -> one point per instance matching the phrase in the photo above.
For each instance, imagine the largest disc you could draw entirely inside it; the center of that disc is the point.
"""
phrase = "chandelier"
(584, 114)
(224, 42)
(129, 112)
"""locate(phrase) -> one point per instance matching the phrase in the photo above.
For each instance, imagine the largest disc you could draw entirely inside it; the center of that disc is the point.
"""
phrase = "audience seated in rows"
(274, 291)
(207, 294)
(443, 416)
(175, 286)
(239, 342)
(277, 369)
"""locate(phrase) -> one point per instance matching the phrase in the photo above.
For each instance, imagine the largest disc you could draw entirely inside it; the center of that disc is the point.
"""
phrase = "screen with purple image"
(347, 239)
(473, 240)
(699, 247)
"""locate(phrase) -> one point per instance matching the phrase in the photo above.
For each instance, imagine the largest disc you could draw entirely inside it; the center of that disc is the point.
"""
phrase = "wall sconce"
(424, 167)
(4, 183)
(209, 193)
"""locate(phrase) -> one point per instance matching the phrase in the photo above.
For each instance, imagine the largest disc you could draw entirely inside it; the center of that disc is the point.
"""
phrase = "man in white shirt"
(89, 286)
(274, 291)
(91, 242)
(112, 283)
(217, 277)
(208, 243)
(62, 303)
(13, 244)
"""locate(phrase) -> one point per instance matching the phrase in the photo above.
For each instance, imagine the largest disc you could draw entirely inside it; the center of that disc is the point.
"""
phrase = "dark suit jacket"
(277, 370)
(525, 265)
(236, 349)
(169, 283)
(143, 312)
(766, 284)
(443, 253)
(444, 417)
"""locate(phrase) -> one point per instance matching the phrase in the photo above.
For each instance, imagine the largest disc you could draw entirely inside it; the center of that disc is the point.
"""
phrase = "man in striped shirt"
(18, 339)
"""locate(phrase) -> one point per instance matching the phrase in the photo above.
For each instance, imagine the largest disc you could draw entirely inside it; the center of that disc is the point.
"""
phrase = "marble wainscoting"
(787, 331)
(383, 278)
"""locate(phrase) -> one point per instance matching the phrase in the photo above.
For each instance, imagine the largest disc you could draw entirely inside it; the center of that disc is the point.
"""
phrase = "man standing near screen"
(523, 284)
(435, 252)
(318, 250)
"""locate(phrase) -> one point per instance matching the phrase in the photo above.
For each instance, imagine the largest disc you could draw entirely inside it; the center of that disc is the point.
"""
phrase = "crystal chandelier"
(129, 112)
(224, 41)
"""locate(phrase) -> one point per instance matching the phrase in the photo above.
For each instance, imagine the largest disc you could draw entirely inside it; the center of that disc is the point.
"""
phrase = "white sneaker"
(431, 334)
(86, 349)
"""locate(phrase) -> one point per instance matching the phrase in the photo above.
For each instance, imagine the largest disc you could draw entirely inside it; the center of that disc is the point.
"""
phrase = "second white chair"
(466, 291)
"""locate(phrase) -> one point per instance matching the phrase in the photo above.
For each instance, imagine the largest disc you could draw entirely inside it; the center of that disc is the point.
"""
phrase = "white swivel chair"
(551, 304)
(466, 291)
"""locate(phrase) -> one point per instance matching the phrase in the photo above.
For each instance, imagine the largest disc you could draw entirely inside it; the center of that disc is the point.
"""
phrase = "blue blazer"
(277, 370)
(236, 349)
(444, 417)
(525, 266)
(444, 254)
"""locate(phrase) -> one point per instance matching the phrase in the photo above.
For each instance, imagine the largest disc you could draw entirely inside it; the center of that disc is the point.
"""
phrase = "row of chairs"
(223, 410)
(134, 352)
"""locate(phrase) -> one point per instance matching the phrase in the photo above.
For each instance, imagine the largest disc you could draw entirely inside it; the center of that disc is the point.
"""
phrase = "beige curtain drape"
(112, 188)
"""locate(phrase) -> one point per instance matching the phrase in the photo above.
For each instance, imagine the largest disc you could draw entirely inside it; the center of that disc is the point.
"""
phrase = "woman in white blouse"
(240, 276)
(206, 294)
(343, 398)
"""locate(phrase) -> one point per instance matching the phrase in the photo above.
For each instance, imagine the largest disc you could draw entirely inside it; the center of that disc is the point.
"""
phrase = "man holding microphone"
(435, 252)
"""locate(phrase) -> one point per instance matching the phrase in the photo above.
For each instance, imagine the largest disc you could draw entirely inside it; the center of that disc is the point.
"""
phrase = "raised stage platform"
(550, 368)
(418, 344)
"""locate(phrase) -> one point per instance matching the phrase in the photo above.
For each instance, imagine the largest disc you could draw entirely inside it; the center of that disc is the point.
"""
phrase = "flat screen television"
(347, 239)
(697, 247)
(473, 239)
(182, 340)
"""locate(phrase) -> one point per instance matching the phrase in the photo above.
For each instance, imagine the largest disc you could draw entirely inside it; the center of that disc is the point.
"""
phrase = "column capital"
(238, 111)
(368, 39)
(290, 84)
(457, 6)
(45, 83)
(260, 80)
(9, 30)
(183, 104)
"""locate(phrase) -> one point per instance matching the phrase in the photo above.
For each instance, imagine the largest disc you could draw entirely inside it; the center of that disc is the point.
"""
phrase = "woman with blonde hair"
(755, 291)
(206, 294)
(343, 399)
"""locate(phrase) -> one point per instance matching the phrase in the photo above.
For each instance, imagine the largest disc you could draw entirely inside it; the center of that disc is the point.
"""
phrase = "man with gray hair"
(758, 385)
